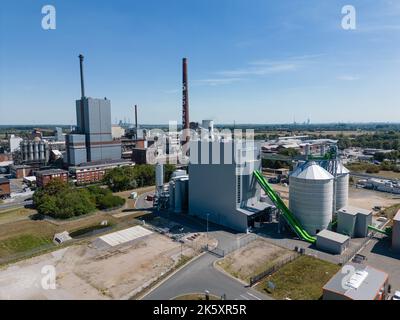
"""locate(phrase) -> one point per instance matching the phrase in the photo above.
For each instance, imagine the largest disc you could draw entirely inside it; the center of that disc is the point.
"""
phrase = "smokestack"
(82, 80)
(136, 123)
(185, 96)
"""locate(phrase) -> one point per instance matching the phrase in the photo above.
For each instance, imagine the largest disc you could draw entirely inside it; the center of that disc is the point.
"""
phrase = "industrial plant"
(218, 179)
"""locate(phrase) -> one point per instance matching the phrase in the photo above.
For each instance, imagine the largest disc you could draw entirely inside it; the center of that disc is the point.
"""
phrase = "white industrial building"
(354, 221)
(222, 188)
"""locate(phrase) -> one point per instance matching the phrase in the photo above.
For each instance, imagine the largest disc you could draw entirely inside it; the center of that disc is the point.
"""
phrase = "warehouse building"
(222, 189)
(45, 176)
(92, 172)
(396, 232)
(357, 282)
(21, 171)
(332, 242)
(353, 221)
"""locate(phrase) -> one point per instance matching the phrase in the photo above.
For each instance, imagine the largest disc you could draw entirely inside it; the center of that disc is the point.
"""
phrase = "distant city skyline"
(252, 62)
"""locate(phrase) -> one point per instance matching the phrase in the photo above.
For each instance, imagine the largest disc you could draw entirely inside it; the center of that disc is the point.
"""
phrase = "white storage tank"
(342, 186)
(159, 175)
(311, 196)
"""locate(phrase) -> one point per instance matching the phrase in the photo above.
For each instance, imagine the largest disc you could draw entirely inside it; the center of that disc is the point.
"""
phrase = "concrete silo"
(311, 196)
(342, 186)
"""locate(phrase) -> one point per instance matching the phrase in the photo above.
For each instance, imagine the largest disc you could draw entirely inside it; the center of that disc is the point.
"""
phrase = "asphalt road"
(200, 275)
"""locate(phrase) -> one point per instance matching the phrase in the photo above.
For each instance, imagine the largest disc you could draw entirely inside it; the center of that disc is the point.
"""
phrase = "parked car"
(149, 197)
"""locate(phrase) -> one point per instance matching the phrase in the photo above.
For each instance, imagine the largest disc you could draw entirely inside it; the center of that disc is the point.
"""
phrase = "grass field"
(22, 243)
(301, 279)
(11, 215)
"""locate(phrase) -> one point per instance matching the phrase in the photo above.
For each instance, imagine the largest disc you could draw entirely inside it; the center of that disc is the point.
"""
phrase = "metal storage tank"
(171, 191)
(159, 175)
(178, 197)
(342, 186)
(311, 196)
(180, 194)
(178, 173)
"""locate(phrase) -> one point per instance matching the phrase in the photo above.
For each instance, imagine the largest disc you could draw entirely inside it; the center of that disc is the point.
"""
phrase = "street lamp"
(207, 227)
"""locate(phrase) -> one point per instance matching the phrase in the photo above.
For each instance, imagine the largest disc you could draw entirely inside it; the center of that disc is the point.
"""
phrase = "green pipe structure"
(385, 232)
(286, 213)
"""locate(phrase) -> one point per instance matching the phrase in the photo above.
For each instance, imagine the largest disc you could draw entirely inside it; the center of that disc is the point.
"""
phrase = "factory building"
(396, 232)
(45, 176)
(356, 282)
(21, 171)
(353, 221)
(311, 196)
(92, 139)
(222, 188)
(332, 242)
(35, 151)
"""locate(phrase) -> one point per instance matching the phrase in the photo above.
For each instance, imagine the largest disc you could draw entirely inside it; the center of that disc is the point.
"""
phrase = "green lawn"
(301, 279)
(22, 243)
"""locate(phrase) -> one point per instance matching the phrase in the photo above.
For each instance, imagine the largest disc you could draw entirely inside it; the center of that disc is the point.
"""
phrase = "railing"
(240, 243)
(272, 269)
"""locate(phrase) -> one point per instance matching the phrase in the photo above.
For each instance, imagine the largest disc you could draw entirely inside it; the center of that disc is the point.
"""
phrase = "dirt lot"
(85, 272)
(253, 259)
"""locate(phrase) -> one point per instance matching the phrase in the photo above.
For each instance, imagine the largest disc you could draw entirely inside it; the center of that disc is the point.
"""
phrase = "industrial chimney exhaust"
(185, 96)
(81, 57)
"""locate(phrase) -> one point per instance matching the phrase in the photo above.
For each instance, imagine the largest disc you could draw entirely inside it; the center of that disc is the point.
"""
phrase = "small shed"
(332, 242)
(61, 237)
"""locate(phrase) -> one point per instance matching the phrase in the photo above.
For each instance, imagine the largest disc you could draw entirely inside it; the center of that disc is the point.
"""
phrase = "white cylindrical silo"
(159, 175)
(342, 186)
(311, 196)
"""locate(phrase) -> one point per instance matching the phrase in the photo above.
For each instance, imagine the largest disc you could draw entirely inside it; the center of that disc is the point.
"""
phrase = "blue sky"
(250, 61)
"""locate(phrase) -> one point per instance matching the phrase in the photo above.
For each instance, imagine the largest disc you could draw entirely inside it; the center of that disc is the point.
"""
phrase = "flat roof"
(334, 236)
(123, 236)
(4, 180)
(354, 210)
(100, 163)
(362, 283)
(50, 171)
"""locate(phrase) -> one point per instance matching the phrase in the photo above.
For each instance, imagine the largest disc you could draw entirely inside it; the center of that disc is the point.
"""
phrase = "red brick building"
(93, 172)
(5, 190)
(43, 177)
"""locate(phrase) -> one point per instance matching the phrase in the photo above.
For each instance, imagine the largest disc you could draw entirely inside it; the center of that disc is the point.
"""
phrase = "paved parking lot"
(380, 255)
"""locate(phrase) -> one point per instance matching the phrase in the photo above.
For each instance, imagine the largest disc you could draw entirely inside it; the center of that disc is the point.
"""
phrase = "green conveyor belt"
(287, 214)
